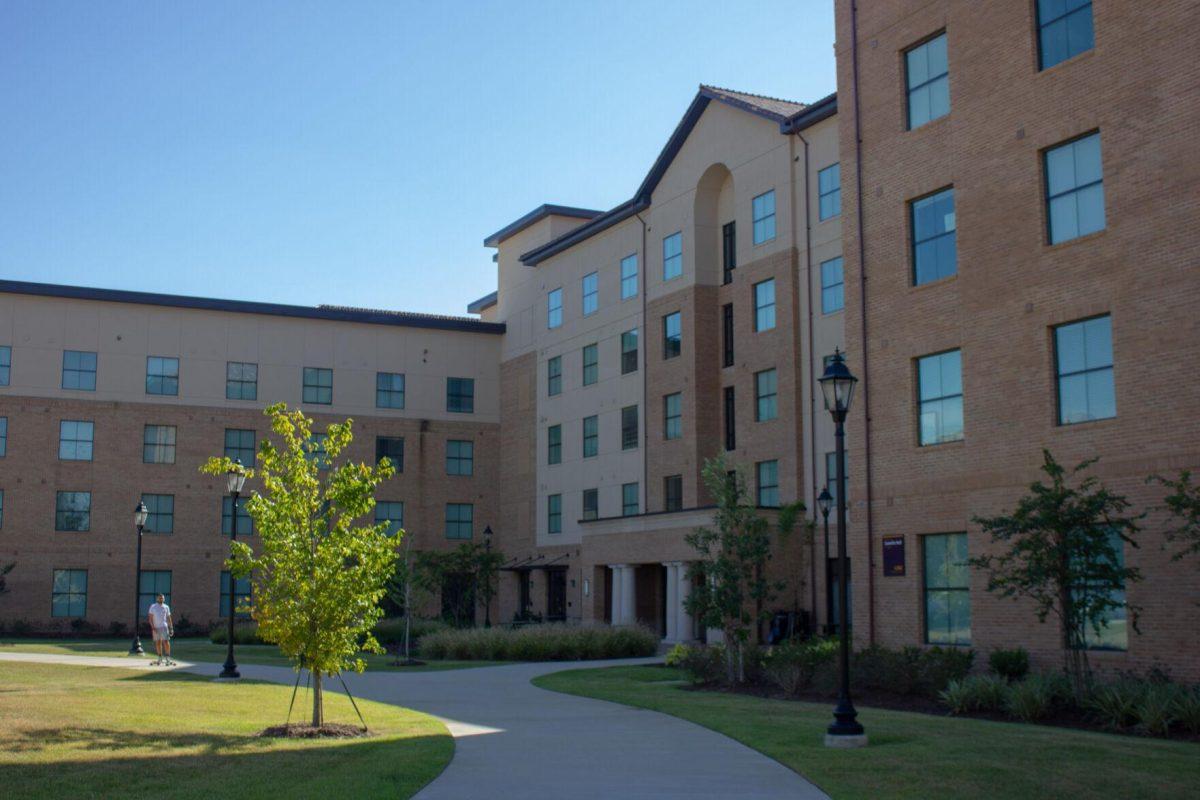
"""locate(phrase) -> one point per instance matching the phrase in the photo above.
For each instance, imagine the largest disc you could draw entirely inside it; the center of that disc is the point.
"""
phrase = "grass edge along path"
(910, 755)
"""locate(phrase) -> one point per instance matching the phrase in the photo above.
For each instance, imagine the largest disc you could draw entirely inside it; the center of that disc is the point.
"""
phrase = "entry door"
(556, 595)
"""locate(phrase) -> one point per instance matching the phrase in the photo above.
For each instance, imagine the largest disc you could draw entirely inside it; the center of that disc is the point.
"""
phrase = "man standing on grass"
(163, 627)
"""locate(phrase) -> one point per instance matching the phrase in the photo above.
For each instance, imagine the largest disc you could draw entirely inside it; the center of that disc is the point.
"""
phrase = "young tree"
(733, 589)
(318, 573)
(1064, 552)
(400, 589)
(1184, 504)
(470, 567)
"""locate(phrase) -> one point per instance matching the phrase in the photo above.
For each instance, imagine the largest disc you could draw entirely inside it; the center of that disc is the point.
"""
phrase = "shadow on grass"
(41, 739)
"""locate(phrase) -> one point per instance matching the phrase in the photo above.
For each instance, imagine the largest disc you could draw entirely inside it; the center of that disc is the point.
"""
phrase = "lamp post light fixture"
(235, 479)
(487, 548)
(825, 504)
(837, 387)
(140, 514)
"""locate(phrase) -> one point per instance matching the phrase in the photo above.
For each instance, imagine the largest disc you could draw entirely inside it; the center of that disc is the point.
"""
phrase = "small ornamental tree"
(470, 568)
(732, 588)
(404, 592)
(1063, 550)
(319, 571)
(1183, 503)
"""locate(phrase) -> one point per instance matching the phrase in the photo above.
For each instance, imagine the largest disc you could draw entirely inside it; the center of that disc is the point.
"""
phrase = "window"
(3, 436)
(927, 73)
(629, 428)
(68, 593)
(460, 395)
(391, 448)
(730, 419)
(245, 523)
(829, 192)
(73, 511)
(763, 215)
(1064, 30)
(832, 285)
(591, 504)
(554, 444)
(317, 450)
(459, 517)
(1, 508)
(460, 457)
(768, 483)
(75, 440)
(161, 516)
(158, 444)
(672, 335)
(389, 390)
(939, 380)
(764, 305)
(591, 436)
(1084, 361)
(554, 376)
(5, 364)
(239, 445)
(591, 293)
(728, 251)
(318, 385)
(1113, 633)
(391, 512)
(766, 385)
(152, 583)
(629, 277)
(554, 513)
(241, 596)
(935, 254)
(672, 256)
(673, 493)
(591, 364)
(241, 381)
(947, 589)
(673, 416)
(629, 351)
(1074, 189)
(629, 499)
(162, 375)
(554, 308)
(79, 370)
(727, 335)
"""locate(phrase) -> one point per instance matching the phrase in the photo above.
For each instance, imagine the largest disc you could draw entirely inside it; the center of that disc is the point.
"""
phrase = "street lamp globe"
(235, 478)
(140, 515)
(825, 502)
(837, 386)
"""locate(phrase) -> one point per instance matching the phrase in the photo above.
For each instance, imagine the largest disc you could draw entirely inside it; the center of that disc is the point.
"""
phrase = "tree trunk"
(318, 715)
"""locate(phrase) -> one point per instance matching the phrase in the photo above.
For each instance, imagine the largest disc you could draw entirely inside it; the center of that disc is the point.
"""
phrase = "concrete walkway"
(513, 740)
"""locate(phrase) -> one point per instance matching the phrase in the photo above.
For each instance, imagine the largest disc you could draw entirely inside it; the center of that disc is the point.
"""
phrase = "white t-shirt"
(159, 613)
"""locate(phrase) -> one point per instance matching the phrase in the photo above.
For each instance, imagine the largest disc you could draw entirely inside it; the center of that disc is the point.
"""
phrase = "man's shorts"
(161, 635)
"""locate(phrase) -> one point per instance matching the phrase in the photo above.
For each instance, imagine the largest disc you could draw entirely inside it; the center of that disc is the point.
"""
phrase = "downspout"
(812, 395)
(644, 355)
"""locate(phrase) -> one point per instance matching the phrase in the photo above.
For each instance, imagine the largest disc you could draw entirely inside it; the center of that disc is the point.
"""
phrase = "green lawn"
(911, 755)
(92, 732)
(204, 650)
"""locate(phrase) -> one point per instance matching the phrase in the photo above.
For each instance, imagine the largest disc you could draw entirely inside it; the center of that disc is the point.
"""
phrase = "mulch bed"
(330, 730)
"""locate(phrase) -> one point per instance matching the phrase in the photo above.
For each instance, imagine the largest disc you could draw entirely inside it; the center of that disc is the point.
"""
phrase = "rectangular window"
(68, 594)
(75, 439)
(245, 523)
(389, 390)
(832, 285)
(727, 335)
(460, 457)
(1114, 632)
(591, 504)
(79, 370)
(591, 436)
(158, 444)
(1, 508)
(459, 520)
(728, 251)
(318, 385)
(554, 308)
(629, 277)
(1084, 361)
(241, 380)
(829, 191)
(768, 483)
(316, 450)
(763, 215)
(673, 416)
(673, 493)
(391, 448)
(591, 364)
(831, 477)
(934, 253)
(947, 589)
(152, 583)
(460, 395)
(629, 499)
(730, 419)
(629, 428)
(927, 73)
(73, 511)
(591, 293)
(3, 436)
(554, 513)
(162, 375)
(629, 351)
(939, 381)
(554, 376)
(241, 596)
(554, 444)
(672, 250)
(1074, 189)
(1064, 30)
(161, 516)
(239, 445)
(764, 305)
(766, 388)
(391, 512)
(5, 364)
(672, 335)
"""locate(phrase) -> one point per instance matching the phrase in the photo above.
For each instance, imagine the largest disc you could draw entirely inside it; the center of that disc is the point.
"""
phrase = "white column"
(614, 601)
(628, 596)
(673, 633)
(683, 622)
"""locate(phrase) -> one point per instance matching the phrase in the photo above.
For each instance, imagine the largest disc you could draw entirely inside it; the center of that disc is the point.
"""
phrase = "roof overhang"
(535, 216)
(485, 302)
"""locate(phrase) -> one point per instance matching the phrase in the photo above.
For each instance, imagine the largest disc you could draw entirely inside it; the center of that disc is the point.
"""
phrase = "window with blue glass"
(591, 364)
(1083, 357)
(152, 583)
(162, 375)
(68, 593)
(554, 308)
(591, 436)
(1074, 189)
(389, 390)
(459, 520)
(766, 389)
(672, 335)
(391, 448)
(554, 513)
(629, 499)
(672, 250)
(72, 511)
(245, 523)
(935, 251)
(1064, 30)
(591, 504)
(591, 293)
(391, 512)
(158, 444)
(460, 395)
(629, 276)
(829, 192)
(763, 217)
(239, 445)
(160, 510)
(554, 444)
(629, 351)
(5, 364)
(764, 305)
(241, 380)
(767, 473)
(673, 416)
(832, 286)
(79, 370)
(939, 379)
(927, 72)
(318, 385)
(1111, 631)
(554, 376)
(947, 589)
(3, 436)
(460, 457)
(241, 596)
(75, 440)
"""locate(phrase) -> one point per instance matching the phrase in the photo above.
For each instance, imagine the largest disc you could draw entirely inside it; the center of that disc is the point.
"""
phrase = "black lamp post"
(487, 606)
(139, 520)
(837, 386)
(235, 479)
(825, 503)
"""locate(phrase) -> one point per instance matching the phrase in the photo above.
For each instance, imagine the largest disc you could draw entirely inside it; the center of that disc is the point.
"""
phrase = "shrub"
(676, 655)
(22, 627)
(116, 628)
(390, 630)
(539, 643)
(940, 665)
(1115, 705)
(704, 664)
(1155, 710)
(911, 670)
(1033, 698)
(1187, 708)
(1012, 665)
(243, 633)
(975, 693)
(185, 627)
(793, 665)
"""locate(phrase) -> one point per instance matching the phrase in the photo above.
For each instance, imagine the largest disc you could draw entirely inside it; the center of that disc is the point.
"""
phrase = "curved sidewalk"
(515, 740)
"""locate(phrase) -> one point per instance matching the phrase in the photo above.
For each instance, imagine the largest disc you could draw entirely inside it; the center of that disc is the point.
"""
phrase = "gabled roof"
(537, 215)
(770, 107)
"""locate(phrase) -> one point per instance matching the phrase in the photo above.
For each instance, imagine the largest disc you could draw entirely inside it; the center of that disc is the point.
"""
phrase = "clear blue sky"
(352, 153)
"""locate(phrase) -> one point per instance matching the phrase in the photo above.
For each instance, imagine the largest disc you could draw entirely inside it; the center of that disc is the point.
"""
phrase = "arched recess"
(714, 207)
